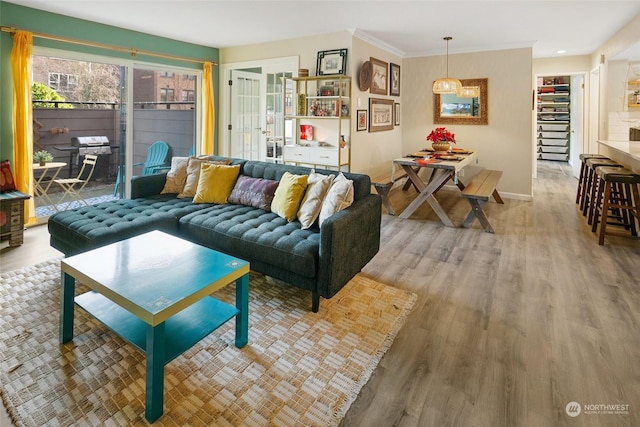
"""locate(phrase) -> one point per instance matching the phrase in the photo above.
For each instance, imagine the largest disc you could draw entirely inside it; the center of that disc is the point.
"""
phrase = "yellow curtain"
(208, 110)
(23, 119)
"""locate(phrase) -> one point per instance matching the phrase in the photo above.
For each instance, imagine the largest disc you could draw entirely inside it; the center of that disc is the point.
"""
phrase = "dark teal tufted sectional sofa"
(321, 260)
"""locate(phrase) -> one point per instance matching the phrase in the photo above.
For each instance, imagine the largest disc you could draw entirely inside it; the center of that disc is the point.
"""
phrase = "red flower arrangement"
(441, 134)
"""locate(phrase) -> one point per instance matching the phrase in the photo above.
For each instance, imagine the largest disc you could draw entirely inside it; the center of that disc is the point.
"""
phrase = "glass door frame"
(268, 66)
(130, 65)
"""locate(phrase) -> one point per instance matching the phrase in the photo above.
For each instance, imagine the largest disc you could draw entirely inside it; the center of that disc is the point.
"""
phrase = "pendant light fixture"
(468, 92)
(447, 84)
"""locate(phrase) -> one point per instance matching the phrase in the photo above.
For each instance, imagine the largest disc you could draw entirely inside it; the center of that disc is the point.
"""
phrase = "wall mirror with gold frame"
(450, 109)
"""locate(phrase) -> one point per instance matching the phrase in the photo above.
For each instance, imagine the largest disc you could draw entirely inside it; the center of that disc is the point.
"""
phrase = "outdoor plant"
(441, 134)
(42, 156)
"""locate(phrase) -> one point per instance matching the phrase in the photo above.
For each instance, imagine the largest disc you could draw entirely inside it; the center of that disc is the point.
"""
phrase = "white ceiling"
(406, 28)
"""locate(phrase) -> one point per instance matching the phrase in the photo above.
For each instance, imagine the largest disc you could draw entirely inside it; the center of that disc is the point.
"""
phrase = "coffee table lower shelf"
(182, 331)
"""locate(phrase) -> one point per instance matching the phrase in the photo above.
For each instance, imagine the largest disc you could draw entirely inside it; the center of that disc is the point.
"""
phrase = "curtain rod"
(133, 52)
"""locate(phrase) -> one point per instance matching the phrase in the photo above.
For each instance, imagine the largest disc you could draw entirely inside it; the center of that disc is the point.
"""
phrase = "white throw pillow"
(339, 197)
(177, 176)
(317, 188)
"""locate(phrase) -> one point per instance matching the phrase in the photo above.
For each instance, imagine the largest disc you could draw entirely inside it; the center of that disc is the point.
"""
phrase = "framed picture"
(331, 62)
(394, 79)
(396, 114)
(378, 76)
(380, 114)
(362, 120)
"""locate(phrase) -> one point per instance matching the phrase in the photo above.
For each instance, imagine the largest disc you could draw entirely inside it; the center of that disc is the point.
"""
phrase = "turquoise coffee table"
(153, 291)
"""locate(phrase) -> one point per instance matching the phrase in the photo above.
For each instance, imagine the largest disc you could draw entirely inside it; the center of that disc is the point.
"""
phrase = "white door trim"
(287, 63)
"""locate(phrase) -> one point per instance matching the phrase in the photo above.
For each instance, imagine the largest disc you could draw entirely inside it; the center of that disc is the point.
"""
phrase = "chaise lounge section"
(321, 258)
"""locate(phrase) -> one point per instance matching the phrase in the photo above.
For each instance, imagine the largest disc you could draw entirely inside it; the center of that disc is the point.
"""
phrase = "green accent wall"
(38, 21)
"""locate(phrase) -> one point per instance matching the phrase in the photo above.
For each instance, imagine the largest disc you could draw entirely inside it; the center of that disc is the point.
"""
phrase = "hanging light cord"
(447, 39)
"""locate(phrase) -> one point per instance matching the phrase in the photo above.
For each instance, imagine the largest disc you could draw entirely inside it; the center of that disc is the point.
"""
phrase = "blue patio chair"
(158, 161)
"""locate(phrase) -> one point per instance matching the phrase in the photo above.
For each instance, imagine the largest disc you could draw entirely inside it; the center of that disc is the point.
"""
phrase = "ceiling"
(405, 28)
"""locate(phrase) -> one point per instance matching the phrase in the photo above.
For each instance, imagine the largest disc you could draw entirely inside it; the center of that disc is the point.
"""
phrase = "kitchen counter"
(626, 153)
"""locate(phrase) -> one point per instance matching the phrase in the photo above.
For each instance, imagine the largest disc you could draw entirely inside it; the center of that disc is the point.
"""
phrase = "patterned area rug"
(42, 211)
(299, 368)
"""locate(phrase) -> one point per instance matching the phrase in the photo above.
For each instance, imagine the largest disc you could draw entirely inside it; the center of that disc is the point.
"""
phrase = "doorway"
(254, 108)
(560, 118)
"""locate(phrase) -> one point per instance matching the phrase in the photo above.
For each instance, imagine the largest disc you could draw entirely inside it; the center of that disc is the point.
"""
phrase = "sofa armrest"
(349, 239)
(147, 185)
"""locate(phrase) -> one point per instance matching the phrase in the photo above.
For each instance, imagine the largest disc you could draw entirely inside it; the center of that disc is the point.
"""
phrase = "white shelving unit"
(322, 105)
(554, 117)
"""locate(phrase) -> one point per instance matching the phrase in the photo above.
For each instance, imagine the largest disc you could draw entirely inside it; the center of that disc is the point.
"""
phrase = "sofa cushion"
(339, 197)
(215, 183)
(257, 169)
(177, 176)
(193, 174)
(256, 192)
(254, 235)
(6, 177)
(89, 227)
(317, 188)
(288, 196)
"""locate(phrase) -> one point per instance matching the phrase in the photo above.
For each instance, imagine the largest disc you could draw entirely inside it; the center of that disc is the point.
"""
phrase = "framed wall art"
(379, 71)
(362, 120)
(396, 114)
(380, 114)
(331, 62)
(394, 79)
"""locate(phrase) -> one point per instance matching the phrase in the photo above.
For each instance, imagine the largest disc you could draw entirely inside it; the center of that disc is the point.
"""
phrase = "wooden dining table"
(442, 172)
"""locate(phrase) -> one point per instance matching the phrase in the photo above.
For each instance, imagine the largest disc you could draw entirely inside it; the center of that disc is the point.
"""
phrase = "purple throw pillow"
(255, 192)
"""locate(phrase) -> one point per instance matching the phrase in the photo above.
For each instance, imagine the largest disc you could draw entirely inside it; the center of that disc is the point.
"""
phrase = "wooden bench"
(478, 192)
(383, 184)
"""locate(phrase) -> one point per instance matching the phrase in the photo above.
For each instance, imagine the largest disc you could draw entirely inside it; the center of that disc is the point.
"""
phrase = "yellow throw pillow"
(288, 196)
(193, 175)
(215, 183)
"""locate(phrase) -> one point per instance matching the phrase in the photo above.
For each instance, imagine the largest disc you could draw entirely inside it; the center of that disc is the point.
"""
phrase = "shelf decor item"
(42, 157)
(306, 132)
(441, 140)
(331, 62)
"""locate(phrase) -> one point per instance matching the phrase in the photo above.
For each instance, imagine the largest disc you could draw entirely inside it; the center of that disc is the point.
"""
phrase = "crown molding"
(364, 36)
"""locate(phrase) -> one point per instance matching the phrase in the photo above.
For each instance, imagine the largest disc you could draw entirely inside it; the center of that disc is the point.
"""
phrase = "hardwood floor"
(508, 327)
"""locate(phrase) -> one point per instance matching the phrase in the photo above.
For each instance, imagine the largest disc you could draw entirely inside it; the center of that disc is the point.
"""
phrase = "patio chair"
(158, 160)
(73, 186)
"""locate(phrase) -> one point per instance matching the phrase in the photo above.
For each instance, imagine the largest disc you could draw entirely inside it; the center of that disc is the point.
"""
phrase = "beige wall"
(506, 142)
(562, 65)
(306, 48)
(373, 152)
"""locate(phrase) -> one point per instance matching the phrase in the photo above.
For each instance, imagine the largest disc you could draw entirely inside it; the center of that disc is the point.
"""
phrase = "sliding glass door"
(133, 105)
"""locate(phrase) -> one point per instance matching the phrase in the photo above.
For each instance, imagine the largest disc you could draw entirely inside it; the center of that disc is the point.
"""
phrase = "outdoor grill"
(82, 145)
(91, 145)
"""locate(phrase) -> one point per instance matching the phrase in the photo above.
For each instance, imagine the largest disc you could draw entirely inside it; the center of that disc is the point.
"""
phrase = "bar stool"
(618, 198)
(590, 189)
(582, 180)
